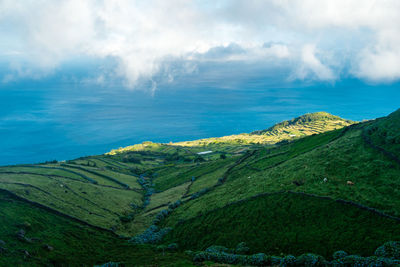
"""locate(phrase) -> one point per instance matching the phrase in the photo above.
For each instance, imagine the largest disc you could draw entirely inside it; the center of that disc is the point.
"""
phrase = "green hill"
(318, 122)
(308, 124)
(316, 179)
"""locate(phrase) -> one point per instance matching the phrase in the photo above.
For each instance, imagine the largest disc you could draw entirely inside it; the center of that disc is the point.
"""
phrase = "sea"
(61, 118)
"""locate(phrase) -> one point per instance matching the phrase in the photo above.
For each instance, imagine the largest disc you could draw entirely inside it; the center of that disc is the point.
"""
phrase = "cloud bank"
(321, 39)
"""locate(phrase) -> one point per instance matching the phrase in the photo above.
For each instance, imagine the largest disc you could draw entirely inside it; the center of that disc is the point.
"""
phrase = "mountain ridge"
(307, 124)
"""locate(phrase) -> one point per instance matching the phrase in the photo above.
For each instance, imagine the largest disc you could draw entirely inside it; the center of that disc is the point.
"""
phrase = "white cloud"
(312, 66)
(143, 36)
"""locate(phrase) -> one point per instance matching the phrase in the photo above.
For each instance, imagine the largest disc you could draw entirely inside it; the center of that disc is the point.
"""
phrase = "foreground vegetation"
(288, 223)
(310, 184)
(33, 236)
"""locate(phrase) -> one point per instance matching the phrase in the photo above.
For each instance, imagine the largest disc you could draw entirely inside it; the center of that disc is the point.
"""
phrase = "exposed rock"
(21, 234)
(26, 254)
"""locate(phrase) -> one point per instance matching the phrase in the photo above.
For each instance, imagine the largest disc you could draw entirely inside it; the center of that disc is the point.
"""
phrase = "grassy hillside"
(385, 134)
(33, 236)
(211, 197)
(308, 124)
(288, 223)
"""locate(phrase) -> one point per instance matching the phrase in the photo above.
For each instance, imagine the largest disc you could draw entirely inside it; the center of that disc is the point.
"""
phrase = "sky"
(148, 42)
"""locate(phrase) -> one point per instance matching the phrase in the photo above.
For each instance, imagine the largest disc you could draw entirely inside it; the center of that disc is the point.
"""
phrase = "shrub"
(161, 215)
(200, 256)
(127, 218)
(390, 249)
(275, 260)
(152, 235)
(242, 248)
(218, 249)
(353, 260)
(109, 264)
(172, 247)
(289, 260)
(339, 254)
(175, 204)
(310, 259)
(189, 253)
(200, 193)
(259, 259)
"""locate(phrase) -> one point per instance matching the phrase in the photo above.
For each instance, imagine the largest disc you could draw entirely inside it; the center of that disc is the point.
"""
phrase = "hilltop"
(308, 124)
(333, 182)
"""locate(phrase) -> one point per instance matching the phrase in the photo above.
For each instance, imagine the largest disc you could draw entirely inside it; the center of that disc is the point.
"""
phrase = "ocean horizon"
(54, 119)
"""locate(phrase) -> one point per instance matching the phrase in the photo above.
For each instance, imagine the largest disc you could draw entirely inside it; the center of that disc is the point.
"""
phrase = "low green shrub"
(309, 259)
(339, 254)
(152, 235)
(172, 247)
(389, 250)
(289, 260)
(242, 248)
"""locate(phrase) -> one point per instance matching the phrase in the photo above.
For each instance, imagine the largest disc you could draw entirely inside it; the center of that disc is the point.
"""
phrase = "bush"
(109, 264)
(175, 204)
(389, 250)
(152, 235)
(189, 253)
(200, 193)
(172, 247)
(218, 249)
(242, 248)
(289, 260)
(310, 259)
(127, 218)
(200, 256)
(353, 260)
(339, 254)
(275, 260)
(259, 259)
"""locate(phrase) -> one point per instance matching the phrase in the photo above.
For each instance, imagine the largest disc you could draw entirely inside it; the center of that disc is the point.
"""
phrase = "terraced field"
(308, 124)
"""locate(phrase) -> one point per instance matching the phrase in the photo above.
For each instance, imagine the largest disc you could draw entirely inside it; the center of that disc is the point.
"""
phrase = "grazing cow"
(350, 183)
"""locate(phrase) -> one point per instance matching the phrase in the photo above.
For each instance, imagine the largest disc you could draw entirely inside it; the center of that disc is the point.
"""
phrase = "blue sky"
(148, 42)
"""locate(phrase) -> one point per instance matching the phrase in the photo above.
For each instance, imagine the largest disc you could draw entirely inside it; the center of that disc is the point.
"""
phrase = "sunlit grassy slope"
(319, 154)
(308, 124)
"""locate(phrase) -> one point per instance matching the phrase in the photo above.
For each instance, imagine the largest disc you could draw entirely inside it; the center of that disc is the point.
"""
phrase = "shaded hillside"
(288, 223)
(385, 133)
(32, 236)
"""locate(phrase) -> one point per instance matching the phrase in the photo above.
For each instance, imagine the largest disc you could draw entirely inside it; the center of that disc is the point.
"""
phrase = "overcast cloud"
(320, 37)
